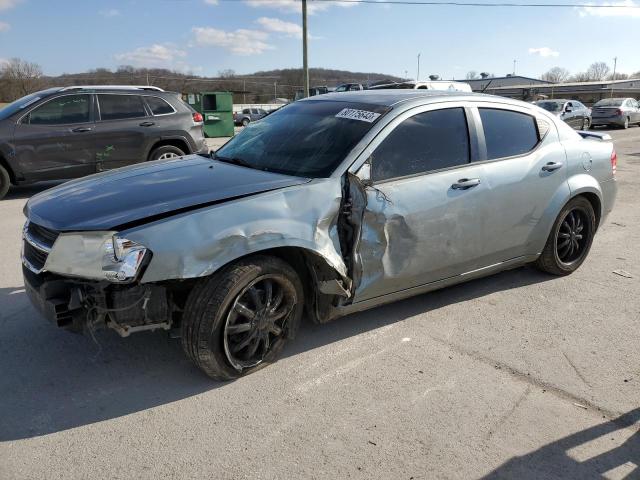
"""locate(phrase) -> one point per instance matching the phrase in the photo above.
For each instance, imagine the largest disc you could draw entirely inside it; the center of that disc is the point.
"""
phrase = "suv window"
(116, 107)
(159, 106)
(62, 110)
(508, 133)
(425, 142)
(246, 111)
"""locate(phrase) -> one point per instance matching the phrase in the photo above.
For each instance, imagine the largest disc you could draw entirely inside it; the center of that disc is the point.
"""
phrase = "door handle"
(82, 129)
(147, 124)
(551, 166)
(465, 183)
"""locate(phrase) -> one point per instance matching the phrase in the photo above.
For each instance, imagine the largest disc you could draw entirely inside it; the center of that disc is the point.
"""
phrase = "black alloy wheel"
(257, 319)
(572, 237)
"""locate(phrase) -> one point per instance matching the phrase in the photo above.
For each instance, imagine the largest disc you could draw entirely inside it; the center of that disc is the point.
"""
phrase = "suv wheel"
(570, 238)
(239, 319)
(5, 181)
(245, 122)
(166, 152)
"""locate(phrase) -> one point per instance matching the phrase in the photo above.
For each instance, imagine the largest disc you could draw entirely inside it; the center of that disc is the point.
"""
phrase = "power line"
(470, 4)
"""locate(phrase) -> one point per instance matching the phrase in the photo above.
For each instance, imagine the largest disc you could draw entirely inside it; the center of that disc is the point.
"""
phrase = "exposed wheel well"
(594, 200)
(9, 170)
(174, 142)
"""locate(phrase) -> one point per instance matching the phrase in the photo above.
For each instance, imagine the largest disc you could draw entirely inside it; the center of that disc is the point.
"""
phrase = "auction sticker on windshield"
(353, 114)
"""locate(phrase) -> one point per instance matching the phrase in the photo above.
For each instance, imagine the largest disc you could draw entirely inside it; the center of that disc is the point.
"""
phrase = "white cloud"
(154, 56)
(211, 2)
(239, 42)
(7, 4)
(4, 27)
(544, 52)
(294, 6)
(625, 8)
(280, 26)
(109, 13)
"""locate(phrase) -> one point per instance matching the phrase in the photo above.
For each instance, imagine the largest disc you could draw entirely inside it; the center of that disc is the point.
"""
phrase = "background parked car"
(432, 85)
(572, 112)
(620, 112)
(349, 87)
(63, 133)
(248, 115)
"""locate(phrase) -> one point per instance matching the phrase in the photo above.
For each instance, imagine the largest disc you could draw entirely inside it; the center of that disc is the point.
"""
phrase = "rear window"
(610, 102)
(118, 107)
(159, 106)
(508, 133)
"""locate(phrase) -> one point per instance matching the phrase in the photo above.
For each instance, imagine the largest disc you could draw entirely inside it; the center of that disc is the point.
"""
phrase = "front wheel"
(570, 238)
(626, 123)
(239, 319)
(245, 122)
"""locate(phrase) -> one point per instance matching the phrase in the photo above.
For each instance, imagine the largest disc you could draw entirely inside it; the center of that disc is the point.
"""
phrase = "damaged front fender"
(199, 243)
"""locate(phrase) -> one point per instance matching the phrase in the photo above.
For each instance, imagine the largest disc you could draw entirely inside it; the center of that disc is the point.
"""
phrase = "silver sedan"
(331, 205)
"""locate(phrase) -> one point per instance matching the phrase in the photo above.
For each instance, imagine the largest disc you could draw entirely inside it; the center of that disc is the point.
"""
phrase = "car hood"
(145, 192)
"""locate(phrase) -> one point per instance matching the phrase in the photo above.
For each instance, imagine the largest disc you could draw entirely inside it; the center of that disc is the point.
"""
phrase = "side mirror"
(364, 174)
(567, 109)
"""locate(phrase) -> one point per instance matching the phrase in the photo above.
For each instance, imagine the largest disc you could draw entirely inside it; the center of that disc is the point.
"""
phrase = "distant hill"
(258, 87)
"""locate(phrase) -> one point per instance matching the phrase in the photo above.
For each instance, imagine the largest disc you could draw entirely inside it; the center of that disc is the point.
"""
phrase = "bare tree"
(635, 75)
(555, 75)
(618, 76)
(433, 78)
(598, 71)
(484, 75)
(471, 75)
(228, 73)
(580, 77)
(19, 77)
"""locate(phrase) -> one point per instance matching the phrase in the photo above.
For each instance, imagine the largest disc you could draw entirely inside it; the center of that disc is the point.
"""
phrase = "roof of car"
(390, 98)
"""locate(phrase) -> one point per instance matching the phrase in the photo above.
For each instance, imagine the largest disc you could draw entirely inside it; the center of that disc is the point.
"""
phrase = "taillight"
(619, 112)
(197, 117)
(614, 162)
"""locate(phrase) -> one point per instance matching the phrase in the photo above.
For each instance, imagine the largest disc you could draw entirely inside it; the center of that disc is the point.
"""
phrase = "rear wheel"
(585, 124)
(5, 181)
(626, 123)
(245, 122)
(166, 152)
(239, 320)
(570, 238)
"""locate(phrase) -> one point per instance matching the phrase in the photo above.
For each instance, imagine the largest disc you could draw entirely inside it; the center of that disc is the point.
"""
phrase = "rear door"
(424, 216)
(56, 139)
(124, 130)
(525, 174)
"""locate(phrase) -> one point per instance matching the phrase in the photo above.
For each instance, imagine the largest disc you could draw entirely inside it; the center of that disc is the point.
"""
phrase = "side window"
(60, 111)
(508, 133)
(159, 106)
(246, 111)
(425, 142)
(118, 107)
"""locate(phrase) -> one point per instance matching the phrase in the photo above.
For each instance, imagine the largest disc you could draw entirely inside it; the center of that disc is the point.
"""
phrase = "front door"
(424, 219)
(124, 130)
(56, 140)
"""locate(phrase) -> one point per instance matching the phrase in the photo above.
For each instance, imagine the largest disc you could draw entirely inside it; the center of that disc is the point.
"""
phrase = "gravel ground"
(520, 375)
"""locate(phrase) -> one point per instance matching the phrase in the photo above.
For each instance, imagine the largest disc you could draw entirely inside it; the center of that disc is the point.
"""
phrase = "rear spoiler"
(603, 137)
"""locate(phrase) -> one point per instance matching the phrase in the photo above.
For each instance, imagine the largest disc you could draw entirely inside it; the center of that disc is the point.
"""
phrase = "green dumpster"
(217, 110)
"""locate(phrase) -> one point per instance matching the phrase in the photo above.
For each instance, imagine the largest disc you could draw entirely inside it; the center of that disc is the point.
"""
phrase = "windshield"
(306, 139)
(610, 102)
(24, 102)
(551, 106)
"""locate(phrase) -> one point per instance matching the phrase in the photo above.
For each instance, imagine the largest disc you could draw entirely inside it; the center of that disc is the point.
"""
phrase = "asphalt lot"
(520, 375)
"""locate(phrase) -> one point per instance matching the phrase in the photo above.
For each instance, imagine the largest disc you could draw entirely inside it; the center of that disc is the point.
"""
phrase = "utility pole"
(615, 64)
(275, 91)
(514, 68)
(405, 74)
(305, 62)
(244, 91)
(418, 75)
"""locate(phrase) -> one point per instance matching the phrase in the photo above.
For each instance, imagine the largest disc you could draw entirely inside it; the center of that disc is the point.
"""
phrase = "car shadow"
(556, 461)
(27, 191)
(52, 380)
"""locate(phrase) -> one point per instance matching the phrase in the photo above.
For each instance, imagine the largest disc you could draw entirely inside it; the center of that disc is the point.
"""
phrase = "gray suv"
(64, 133)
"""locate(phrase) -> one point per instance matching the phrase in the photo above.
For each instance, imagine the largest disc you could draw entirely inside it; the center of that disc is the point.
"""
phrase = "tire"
(556, 258)
(586, 124)
(245, 122)
(626, 123)
(220, 302)
(166, 152)
(5, 182)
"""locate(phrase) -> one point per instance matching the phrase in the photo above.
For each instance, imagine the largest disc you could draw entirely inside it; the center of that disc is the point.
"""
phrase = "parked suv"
(620, 112)
(63, 133)
(248, 115)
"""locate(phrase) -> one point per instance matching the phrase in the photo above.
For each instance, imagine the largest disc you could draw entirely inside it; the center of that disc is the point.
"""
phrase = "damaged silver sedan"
(328, 206)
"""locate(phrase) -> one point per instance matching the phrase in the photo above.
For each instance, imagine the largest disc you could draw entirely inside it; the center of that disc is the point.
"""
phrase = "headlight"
(123, 259)
(97, 256)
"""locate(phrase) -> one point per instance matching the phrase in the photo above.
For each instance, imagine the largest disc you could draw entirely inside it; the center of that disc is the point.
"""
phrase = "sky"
(205, 37)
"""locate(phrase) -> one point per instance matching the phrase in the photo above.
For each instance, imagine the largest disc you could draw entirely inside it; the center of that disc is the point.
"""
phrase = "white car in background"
(444, 85)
